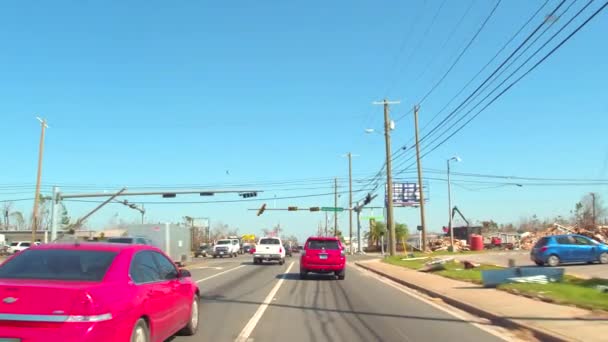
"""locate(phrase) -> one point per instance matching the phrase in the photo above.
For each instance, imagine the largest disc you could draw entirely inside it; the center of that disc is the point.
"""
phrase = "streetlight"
(456, 159)
(43, 126)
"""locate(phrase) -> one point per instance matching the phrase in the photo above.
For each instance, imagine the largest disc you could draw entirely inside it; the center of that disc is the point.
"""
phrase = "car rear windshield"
(542, 242)
(58, 264)
(121, 240)
(270, 242)
(223, 242)
(323, 244)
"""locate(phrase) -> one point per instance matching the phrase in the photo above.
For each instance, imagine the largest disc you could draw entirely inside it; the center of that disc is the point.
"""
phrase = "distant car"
(246, 249)
(18, 246)
(131, 240)
(203, 251)
(226, 247)
(96, 292)
(295, 249)
(269, 249)
(288, 250)
(571, 248)
(323, 255)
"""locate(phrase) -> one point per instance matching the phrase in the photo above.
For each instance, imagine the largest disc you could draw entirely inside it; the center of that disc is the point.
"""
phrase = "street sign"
(377, 218)
(332, 209)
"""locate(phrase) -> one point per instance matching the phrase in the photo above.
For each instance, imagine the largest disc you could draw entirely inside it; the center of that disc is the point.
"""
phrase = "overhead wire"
(522, 76)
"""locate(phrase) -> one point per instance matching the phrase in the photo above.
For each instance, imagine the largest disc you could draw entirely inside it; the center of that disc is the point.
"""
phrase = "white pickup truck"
(269, 249)
(226, 247)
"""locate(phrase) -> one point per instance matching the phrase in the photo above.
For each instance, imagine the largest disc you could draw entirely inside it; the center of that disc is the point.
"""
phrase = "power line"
(526, 73)
(492, 74)
(466, 48)
(414, 50)
(487, 64)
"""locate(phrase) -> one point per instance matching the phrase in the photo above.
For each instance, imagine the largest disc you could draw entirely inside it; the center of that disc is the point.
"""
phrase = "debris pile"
(528, 240)
(443, 244)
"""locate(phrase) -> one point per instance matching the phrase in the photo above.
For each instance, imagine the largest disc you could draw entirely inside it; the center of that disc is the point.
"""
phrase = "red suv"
(323, 255)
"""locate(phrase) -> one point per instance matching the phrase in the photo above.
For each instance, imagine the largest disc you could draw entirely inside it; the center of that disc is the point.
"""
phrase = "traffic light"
(367, 199)
(249, 194)
(169, 195)
(262, 208)
(292, 208)
(315, 208)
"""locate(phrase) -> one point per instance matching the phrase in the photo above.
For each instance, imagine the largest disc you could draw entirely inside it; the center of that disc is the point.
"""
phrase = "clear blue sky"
(155, 92)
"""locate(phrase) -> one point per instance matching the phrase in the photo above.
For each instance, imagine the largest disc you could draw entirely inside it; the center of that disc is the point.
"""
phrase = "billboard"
(407, 194)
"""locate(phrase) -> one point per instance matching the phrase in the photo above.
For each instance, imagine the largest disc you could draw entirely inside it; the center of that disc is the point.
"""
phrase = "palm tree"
(401, 232)
(376, 231)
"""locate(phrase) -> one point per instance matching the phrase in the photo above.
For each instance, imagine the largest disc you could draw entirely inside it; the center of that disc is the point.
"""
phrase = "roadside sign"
(332, 209)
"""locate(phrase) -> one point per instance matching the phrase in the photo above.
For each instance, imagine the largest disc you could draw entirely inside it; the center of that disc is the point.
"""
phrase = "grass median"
(453, 269)
(575, 291)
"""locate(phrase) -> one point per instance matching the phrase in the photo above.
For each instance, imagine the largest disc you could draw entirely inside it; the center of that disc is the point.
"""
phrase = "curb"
(539, 333)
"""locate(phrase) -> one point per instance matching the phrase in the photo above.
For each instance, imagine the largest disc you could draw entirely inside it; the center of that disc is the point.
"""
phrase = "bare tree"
(589, 210)
(6, 211)
(18, 216)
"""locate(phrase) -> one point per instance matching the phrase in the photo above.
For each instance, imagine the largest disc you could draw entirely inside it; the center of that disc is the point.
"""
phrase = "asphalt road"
(522, 258)
(246, 302)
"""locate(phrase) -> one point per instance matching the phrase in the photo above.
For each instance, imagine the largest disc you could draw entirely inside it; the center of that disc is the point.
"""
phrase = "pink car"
(323, 254)
(95, 292)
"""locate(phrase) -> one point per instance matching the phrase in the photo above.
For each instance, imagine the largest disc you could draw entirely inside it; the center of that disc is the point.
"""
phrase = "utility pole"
(326, 218)
(593, 207)
(420, 186)
(350, 201)
(335, 206)
(43, 127)
(390, 220)
(450, 210)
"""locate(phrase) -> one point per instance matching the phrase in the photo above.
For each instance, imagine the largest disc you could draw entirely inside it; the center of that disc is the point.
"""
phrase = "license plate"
(266, 255)
(220, 253)
(323, 256)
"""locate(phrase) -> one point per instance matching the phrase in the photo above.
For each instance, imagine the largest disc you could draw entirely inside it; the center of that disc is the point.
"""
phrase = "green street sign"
(377, 218)
(331, 209)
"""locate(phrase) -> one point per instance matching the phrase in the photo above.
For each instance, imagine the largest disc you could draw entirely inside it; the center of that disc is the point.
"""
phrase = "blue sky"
(168, 93)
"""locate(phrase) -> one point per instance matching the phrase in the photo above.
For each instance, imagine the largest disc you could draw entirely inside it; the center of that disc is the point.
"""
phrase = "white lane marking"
(451, 311)
(209, 267)
(248, 329)
(219, 274)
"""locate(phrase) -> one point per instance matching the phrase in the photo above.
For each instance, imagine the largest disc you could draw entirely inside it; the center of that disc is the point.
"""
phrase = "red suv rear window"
(323, 244)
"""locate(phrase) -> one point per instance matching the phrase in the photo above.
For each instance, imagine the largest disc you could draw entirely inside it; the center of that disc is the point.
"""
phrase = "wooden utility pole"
(335, 206)
(350, 201)
(43, 126)
(420, 185)
(593, 208)
(390, 220)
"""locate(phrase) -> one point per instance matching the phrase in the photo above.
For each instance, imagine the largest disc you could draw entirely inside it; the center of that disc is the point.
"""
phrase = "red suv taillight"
(280, 250)
(543, 249)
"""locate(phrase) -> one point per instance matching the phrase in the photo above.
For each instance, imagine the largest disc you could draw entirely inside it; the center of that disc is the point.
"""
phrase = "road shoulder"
(548, 322)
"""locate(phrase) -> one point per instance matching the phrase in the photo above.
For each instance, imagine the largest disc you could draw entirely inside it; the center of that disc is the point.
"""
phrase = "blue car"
(571, 248)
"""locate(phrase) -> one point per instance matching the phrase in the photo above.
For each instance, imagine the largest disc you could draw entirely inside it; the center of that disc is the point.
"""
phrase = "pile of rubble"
(528, 240)
(443, 244)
